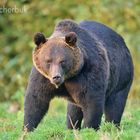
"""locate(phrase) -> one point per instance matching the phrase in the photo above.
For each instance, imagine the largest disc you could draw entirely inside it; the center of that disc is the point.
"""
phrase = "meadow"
(53, 126)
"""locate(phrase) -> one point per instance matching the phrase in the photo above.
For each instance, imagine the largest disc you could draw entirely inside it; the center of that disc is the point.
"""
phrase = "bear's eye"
(62, 63)
(48, 63)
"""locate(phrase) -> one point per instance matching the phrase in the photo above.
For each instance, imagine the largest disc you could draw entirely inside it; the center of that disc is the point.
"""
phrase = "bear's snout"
(57, 79)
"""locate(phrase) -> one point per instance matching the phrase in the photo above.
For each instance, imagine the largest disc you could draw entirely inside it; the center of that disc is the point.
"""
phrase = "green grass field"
(53, 125)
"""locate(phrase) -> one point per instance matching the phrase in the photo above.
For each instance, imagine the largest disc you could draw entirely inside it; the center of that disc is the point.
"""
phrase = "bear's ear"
(39, 38)
(71, 38)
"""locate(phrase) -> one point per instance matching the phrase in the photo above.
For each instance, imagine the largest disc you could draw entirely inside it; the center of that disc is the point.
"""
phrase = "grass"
(53, 125)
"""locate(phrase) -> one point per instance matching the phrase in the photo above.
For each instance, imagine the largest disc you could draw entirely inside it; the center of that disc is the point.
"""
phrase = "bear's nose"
(57, 79)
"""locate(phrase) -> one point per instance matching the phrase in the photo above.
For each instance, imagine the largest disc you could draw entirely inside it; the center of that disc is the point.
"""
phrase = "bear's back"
(102, 32)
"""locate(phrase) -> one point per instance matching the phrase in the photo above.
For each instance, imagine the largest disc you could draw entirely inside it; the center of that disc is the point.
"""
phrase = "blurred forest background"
(17, 30)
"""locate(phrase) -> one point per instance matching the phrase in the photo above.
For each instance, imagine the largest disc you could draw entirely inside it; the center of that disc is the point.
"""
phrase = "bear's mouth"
(57, 85)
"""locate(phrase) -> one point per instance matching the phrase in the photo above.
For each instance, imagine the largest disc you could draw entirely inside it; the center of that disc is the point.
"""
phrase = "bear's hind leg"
(115, 105)
(74, 116)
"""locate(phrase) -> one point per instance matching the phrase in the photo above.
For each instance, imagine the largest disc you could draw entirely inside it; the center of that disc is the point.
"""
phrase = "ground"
(53, 125)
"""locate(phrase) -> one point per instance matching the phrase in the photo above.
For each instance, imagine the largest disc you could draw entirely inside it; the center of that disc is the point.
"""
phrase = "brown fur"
(38, 53)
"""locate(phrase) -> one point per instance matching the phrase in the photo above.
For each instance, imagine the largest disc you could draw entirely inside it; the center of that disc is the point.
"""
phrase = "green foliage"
(53, 126)
(17, 30)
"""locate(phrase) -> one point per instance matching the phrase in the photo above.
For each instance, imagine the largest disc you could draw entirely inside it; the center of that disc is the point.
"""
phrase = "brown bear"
(86, 63)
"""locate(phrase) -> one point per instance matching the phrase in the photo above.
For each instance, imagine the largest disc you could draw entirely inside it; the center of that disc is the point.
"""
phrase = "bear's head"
(57, 58)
